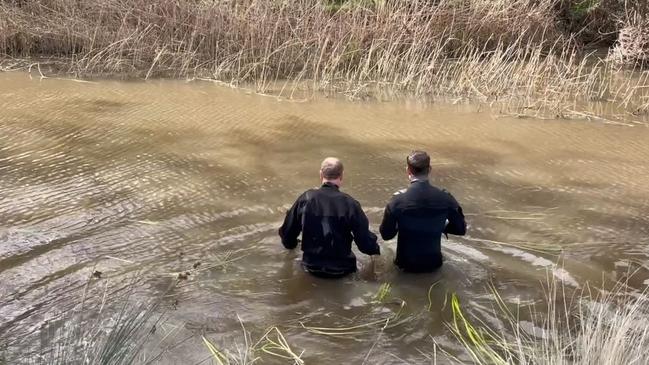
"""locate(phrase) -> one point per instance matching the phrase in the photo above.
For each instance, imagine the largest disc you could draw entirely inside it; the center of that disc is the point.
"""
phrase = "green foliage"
(474, 340)
(580, 9)
(337, 5)
(384, 293)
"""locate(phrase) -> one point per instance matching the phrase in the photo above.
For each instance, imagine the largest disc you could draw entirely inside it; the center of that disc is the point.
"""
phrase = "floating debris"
(152, 223)
(118, 259)
(394, 320)
(197, 264)
(184, 275)
(97, 274)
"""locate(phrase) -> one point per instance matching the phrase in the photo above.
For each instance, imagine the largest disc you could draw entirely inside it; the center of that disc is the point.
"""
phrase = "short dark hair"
(418, 163)
(331, 168)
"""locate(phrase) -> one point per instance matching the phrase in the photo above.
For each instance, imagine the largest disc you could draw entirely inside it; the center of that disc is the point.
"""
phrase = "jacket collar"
(417, 179)
(330, 185)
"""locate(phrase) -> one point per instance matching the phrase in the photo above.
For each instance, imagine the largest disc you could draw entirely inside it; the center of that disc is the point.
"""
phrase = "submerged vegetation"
(583, 327)
(531, 55)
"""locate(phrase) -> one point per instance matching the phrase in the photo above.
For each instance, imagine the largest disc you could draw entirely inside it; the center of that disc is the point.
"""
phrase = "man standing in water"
(420, 214)
(329, 220)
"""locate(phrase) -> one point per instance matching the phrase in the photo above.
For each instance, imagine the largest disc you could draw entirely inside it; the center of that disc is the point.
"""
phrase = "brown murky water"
(154, 177)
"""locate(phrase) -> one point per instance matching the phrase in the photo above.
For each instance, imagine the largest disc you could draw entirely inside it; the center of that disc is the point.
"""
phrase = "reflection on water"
(158, 177)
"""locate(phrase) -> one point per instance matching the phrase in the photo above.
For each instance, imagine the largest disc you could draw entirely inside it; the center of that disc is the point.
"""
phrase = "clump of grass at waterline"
(514, 53)
(610, 329)
(114, 330)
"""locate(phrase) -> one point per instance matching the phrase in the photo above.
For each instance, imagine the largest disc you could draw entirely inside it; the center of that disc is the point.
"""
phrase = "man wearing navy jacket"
(420, 215)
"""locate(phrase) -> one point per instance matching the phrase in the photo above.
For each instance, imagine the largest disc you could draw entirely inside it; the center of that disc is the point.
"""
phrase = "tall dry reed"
(608, 328)
(510, 52)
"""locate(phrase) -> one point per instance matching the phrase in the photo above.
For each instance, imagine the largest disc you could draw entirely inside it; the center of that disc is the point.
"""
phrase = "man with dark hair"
(329, 220)
(420, 214)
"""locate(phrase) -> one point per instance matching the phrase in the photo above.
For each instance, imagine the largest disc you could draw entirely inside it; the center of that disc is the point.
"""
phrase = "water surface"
(154, 177)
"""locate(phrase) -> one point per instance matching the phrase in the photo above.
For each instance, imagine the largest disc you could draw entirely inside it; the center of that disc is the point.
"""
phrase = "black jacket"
(329, 220)
(419, 215)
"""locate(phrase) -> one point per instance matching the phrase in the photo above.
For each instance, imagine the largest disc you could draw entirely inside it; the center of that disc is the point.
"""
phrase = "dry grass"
(107, 327)
(633, 41)
(609, 328)
(514, 53)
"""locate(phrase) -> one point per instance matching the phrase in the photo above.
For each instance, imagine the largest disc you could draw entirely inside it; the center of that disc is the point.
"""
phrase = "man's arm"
(290, 230)
(389, 227)
(456, 223)
(364, 238)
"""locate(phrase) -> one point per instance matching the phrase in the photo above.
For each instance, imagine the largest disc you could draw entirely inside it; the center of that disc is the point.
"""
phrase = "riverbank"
(524, 57)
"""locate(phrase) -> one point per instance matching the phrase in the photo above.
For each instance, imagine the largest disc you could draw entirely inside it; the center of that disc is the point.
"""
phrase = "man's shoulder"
(445, 192)
(398, 196)
(308, 194)
(349, 198)
(446, 195)
(428, 191)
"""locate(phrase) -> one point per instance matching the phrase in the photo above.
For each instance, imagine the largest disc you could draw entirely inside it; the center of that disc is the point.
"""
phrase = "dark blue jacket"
(419, 214)
(329, 220)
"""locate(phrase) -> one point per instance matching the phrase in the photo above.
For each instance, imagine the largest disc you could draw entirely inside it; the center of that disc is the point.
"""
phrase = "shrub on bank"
(632, 46)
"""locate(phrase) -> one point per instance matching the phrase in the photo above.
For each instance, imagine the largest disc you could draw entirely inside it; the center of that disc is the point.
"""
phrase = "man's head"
(418, 164)
(331, 170)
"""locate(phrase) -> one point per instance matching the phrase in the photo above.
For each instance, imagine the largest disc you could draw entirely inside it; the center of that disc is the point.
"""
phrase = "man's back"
(419, 216)
(329, 220)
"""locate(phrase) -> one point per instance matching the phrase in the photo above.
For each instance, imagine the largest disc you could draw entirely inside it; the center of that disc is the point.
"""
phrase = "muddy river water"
(152, 178)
